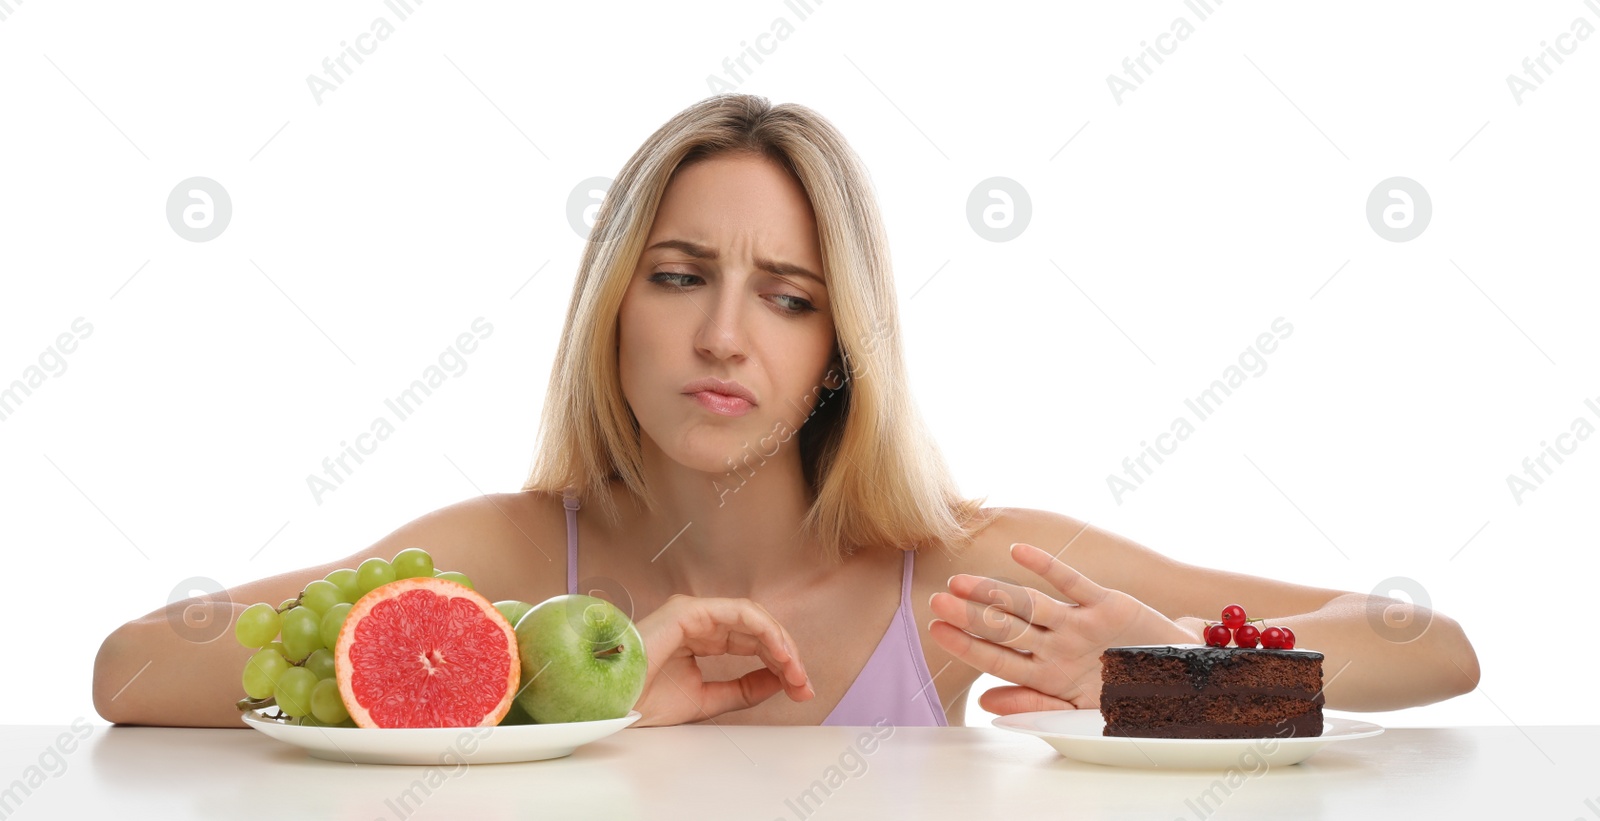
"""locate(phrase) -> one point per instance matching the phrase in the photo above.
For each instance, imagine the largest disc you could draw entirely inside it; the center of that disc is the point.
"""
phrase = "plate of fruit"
(394, 662)
(439, 746)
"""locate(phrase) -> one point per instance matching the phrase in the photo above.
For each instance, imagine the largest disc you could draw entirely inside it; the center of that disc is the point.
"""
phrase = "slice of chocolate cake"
(1197, 691)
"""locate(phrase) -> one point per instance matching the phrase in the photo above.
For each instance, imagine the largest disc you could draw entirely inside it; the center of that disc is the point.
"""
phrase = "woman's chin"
(709, 454)
(719, 452)
(715, 464)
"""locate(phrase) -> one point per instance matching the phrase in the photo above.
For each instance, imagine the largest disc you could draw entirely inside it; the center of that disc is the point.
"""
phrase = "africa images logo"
(1539, 68)
(1138, 69)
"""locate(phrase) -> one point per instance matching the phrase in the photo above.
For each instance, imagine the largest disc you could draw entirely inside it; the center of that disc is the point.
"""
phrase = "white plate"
(442, 745)
(1076, 734)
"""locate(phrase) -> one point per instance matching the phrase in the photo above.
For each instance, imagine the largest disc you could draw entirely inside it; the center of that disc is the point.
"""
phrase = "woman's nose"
(721, 330)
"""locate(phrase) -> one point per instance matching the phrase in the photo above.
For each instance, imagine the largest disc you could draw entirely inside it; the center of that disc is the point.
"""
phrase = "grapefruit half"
(426, 652)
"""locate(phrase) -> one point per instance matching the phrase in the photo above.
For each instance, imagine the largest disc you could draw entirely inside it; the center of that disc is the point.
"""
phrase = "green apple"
(582, 660)
(513, 610)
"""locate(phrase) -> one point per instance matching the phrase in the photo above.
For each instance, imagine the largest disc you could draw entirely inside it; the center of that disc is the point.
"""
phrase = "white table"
(759, 773)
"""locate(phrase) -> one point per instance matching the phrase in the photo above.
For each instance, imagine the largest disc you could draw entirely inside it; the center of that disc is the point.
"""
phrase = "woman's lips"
(722, 403)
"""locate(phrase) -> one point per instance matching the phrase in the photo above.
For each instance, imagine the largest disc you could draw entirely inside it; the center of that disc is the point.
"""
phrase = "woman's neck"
(731, 534)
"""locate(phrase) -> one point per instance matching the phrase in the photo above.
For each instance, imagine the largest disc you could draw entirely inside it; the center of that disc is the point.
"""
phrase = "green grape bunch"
(292, 667)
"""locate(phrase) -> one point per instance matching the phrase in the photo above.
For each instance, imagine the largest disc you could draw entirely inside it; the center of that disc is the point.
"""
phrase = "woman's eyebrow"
(768, 265)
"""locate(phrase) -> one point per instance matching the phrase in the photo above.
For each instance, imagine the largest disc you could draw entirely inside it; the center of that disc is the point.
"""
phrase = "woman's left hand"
(1049, 649)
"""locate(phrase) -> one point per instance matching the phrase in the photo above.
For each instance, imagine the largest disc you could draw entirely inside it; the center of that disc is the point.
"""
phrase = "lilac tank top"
(895, 684)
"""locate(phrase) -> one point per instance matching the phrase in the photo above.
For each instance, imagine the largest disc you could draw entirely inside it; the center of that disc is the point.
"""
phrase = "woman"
(730, 397)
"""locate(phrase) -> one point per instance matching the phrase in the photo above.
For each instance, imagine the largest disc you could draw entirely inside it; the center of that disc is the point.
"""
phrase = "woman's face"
(721, 292)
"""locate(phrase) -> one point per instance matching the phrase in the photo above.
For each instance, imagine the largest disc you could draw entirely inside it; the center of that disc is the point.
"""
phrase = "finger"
(772, 643)
(718, 626)
(1028, 604)
(1072, 584)
(748, 690)
(1004, 701)
(986, 656)
(991, 622)
(788, 640)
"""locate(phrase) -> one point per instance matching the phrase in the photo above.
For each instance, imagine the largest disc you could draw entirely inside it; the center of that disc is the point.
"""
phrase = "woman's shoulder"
(518, 537)
(525, 511)
(990, 526)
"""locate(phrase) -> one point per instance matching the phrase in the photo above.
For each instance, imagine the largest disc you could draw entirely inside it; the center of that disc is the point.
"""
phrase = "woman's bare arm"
(149, 673)
(1379, 653)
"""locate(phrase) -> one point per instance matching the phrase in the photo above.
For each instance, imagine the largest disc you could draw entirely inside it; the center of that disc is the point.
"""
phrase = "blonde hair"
(875, 474)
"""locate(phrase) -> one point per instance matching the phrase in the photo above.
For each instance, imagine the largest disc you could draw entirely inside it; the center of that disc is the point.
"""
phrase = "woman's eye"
(786, 303)
(794, 304)
(669, 279)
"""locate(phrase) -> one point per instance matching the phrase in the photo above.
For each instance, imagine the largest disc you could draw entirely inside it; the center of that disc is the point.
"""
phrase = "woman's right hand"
(675, 689)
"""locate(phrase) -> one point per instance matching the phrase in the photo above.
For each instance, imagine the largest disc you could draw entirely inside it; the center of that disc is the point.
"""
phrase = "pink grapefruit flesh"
(426, 652)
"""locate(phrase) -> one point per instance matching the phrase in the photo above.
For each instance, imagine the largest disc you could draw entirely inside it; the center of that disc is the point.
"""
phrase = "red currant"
(1246, 636)
(1273, 638)
(1233, 617)
(1218, 635)
(1288, 638)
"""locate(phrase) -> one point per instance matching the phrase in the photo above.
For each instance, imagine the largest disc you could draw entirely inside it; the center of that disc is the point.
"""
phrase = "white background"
(1229, 189)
